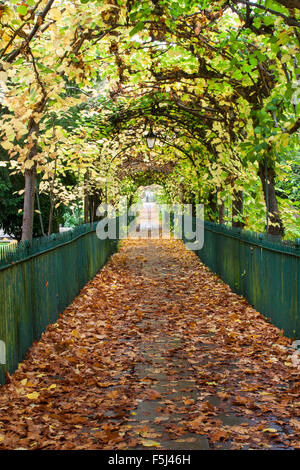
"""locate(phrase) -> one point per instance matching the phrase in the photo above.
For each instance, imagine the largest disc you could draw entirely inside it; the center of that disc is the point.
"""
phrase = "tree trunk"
(28, 208)
(212, 208)
(30, 182)
(86, 198)
(275, 225)
(221, 210)
(50, 215)
(237, 209)
(52, 200)
(39, 209)
(95, 200)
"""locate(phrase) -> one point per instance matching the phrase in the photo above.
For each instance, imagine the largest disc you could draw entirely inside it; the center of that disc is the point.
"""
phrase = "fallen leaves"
(143, 355)
(295, 423)
(152, 394)
(105, 384)
(197, 423)
(272, 430)
(52, 387)
(216, 436)
(149, 443)
(33, 395)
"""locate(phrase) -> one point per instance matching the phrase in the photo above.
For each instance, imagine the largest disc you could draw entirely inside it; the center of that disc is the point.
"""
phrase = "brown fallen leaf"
(152, 394)
(295, 423)
(218, 435)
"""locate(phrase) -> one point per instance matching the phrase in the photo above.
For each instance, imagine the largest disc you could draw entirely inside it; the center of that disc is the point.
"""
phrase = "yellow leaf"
(75, 333)
(29, 164)
(150, 443)
(56, 14)
(24, 381)
(7, 145)
(33, 395)
(2, 438)
(60, 52)
(269, 430)
(146, 434)
(52, 387)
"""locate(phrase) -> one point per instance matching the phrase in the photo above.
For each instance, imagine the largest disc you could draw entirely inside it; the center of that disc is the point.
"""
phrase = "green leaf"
(22, 10)
(268, 20)
(138, 27)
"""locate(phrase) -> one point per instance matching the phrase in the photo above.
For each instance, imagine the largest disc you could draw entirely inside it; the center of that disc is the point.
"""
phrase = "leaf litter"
(155, 352)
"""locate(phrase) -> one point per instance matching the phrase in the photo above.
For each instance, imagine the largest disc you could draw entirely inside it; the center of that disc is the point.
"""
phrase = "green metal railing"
(14, 252)
(265, 270)
(39, 279)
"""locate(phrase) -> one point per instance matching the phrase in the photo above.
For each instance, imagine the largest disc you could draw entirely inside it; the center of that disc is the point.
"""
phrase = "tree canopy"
(83, 82)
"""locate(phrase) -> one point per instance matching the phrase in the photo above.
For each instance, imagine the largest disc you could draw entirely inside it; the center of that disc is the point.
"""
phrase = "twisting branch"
(37, 76)
(18, 30)
(290, 3)
(288, 19)
(13, 55)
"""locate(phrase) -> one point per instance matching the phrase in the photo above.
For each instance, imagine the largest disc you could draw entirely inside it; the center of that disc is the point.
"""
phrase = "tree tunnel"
(214, 82)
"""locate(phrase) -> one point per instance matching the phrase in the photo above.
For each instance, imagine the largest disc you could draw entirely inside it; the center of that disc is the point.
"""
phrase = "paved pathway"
(155, 353)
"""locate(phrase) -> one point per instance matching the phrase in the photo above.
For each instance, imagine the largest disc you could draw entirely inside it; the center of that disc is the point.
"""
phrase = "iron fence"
(263, 269)
(38, 280)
